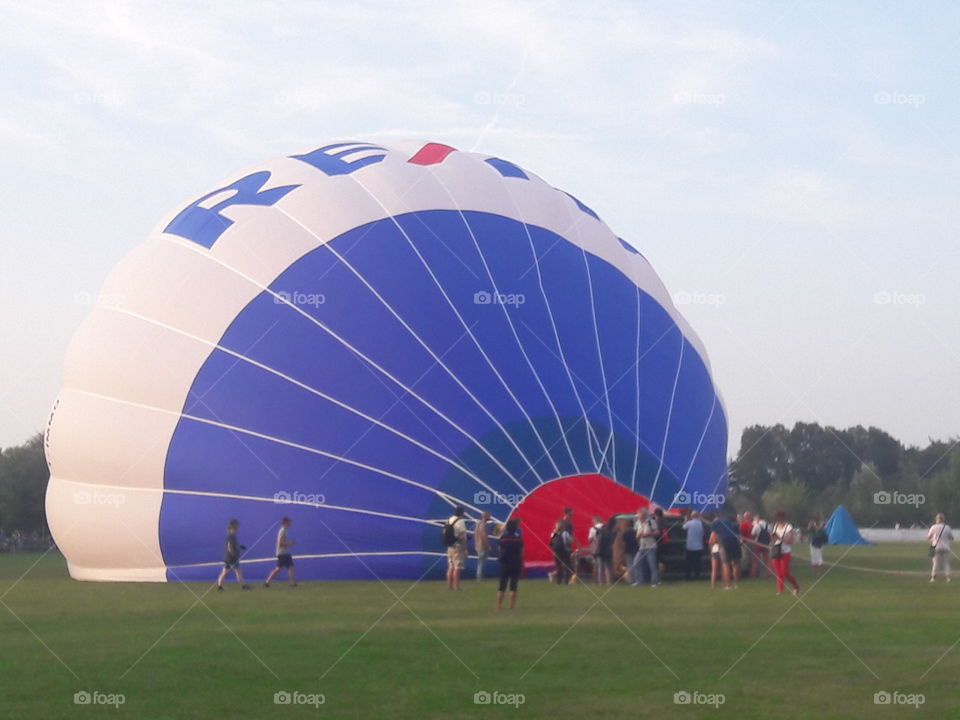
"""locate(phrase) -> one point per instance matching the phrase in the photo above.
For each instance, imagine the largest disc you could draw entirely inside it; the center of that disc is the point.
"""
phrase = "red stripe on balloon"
(431, 154)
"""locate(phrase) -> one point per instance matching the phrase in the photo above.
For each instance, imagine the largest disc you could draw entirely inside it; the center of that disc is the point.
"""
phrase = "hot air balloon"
(361, 337)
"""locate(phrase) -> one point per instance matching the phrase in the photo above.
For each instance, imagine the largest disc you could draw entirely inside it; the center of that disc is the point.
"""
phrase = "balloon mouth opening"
(586, 495)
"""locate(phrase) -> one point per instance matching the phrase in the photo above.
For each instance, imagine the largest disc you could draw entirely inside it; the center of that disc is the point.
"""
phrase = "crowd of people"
(18, 541)
(625, 548)
(630, 548)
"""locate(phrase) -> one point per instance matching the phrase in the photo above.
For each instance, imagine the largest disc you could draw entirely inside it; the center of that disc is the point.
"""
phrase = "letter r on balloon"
(203, 223)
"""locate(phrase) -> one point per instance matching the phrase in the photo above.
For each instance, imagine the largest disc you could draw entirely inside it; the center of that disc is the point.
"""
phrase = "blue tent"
(842, 530)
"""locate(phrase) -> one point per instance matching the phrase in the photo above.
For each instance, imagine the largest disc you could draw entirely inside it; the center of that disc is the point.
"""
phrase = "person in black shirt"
(511, 561)
(231, 556)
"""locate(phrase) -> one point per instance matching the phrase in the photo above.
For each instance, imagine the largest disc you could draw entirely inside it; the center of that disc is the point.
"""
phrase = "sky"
(790, 169)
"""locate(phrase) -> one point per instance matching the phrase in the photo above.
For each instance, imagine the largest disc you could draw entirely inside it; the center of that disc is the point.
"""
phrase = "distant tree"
(23, 486)
(762, 461)
(791, 497)
(943, 491)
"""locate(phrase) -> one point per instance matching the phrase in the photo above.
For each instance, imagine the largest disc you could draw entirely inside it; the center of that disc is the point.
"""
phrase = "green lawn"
(569, 655)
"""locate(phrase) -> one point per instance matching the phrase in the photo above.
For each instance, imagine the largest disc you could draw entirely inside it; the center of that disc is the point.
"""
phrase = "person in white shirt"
(457, 550)
(782, 546)
(694, 545)
(284, 558)
(939, 537)
(593, 541)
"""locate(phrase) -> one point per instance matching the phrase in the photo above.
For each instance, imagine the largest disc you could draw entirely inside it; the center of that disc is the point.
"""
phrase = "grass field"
(405, 650)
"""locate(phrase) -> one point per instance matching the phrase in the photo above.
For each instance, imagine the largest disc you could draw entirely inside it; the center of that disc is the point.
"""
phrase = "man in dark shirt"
(231, 556)
(631, 547)
(511, 561)
(728, 532)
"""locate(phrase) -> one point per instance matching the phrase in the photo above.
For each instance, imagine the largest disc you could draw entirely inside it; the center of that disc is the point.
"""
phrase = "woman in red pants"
(782, 545)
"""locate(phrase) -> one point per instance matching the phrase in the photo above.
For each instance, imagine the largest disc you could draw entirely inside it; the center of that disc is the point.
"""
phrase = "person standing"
(782, 546)
(284, 558)
(817, 538)
(481, 543)
(648, 532)
(939, 537)
(455, 538)
(663, 537)
(593, 542)
(745, 528)
(231, 556)
(607, 538)
(694, 529)
(630, 549)
(728, 534)
(761, 547)
(560, 546)
(511, 561)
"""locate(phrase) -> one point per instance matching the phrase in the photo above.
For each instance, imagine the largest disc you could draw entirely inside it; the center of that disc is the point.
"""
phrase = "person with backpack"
(760, 548)
(560, 543)
(511, 561)
(782, 535)
(817, 537)
(939, 537)
(454, 535)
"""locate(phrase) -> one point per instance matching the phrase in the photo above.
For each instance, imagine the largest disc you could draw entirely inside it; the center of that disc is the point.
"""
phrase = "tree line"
(810, 468)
